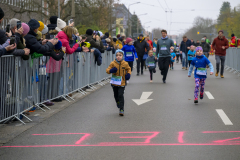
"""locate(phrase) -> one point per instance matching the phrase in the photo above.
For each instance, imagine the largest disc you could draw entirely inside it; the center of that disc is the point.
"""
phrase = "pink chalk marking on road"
(227, 140)
(180, 137)
(117, 144)
(148, 138)
(86, 135)
(220, 131)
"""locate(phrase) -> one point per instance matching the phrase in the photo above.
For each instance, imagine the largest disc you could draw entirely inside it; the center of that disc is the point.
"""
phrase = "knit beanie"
(199, 48)
(89, 32)
(128, 40)
(140, 35)
(118, 36)
(107, 34)
(25, 28)
(60, 24)
(203, 39)
(1, 13)
(45, 30)
(220, 31)
(33, 24)
(58, 45)
(114, 39)
(108, 40)
(13, 22)
(41, 26)
(119, 50)
(232, 35)
(53, 19)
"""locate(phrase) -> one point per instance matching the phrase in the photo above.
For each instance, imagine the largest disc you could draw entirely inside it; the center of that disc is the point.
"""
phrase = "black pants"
(171, 64)
(119, 96)
(140, 60)
(131, 65)
(189, 62)
(178, 57)
(163, 63)
(151, 71)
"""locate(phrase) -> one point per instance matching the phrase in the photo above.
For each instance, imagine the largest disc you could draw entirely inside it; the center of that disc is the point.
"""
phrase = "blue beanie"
(119, 50)
(33, 24)
(58, 45)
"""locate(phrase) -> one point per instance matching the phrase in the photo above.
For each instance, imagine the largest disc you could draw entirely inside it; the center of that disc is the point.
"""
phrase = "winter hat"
(107, 34)
(118, 36)
(199, 48)
(1, 13)
(220, 31)
(114, 39)
(13, 22)
(25, 28)
(108, 40)
(39, 35)
(128, 40)
(45, 29)
(41, 26)
(53, 19)
(123, 35)
(89, 32)
(33, 24)
(119, 50)
(232, 35)
(58, 45)
(120, 39)
(203, 39)
(60, 24)
(140, 35)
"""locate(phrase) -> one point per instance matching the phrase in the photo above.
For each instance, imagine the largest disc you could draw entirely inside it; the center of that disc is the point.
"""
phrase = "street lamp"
(129, 32)
(137, 20)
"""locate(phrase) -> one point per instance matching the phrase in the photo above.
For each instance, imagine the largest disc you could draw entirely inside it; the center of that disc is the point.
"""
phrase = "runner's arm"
(211, 67)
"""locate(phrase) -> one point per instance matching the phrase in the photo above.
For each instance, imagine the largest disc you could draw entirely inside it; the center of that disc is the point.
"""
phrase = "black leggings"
(131, 65)
(151, 71)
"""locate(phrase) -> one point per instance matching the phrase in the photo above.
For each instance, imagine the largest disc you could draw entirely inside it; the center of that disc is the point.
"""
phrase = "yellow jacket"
(123, 69)
(119, 44)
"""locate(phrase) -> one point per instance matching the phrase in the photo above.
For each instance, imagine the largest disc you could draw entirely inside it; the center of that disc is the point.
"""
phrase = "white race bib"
(117, 80)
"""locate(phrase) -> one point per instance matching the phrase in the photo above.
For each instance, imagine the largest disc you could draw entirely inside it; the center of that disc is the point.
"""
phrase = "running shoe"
(121, 112)
(222, 76)
(196, 100)
(216, 74)
(137, 74)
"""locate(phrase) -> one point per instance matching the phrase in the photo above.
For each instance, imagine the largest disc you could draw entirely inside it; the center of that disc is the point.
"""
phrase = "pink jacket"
(65, 42)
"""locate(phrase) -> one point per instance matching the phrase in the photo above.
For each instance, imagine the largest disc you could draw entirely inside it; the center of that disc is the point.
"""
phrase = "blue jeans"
(184, 60)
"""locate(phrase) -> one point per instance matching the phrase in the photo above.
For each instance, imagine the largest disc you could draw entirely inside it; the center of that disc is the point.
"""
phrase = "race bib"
(201, 71)
(117, 80)
(128, 54)
(163, 47)
(152, 64)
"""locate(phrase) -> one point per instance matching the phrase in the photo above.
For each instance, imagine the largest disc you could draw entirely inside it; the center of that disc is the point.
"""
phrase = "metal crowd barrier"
(26, 84)
(232, 62)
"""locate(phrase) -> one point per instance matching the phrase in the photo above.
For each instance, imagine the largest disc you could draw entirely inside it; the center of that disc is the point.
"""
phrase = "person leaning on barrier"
(40, 47)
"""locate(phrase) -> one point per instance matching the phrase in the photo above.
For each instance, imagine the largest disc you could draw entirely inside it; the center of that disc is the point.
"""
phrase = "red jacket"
(151, 43)
(65, 42)
(233, 41)
(217, 46)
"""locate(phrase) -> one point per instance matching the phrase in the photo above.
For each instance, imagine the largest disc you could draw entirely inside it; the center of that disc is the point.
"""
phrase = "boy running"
(151, 64)
(191, 54)
(121, 72)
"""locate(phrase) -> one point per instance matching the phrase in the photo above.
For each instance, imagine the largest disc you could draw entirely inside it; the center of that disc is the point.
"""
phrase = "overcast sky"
(182, 12)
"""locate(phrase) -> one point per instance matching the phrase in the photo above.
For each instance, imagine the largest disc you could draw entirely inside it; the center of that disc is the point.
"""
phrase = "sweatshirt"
(163, 47)
(200, 62)
(217, 46)
(129, 53)
(173, 55)
(151, 62)
(191, 55)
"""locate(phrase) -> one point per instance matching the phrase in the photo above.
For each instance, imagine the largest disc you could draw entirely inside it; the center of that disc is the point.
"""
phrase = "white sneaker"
(127, 81)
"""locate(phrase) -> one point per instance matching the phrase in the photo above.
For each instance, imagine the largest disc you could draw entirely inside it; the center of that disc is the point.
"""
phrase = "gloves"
(113, 70)
(127, 76)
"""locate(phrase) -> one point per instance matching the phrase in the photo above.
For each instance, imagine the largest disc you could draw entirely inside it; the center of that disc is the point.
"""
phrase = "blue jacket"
(129, 52)
(200, 62)
(183, 46)
(191, 55)
(173, 55)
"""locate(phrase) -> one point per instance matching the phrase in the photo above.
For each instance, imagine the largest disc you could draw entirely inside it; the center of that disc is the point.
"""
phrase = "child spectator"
(200, 74)
(151, 64)
(121, 72)
(191, 54)
(173, 57)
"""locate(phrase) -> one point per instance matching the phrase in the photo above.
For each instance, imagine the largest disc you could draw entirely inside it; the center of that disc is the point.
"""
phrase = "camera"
(19, 24)
(12, 40)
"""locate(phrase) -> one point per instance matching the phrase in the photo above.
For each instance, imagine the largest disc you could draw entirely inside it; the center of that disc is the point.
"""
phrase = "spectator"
(149, 42)
(53, 23)
(104, 38)
(207, 40)
(155, 43)
(95, 40)
(184, 48)
(206, 47)
(192, 42)
(123, 39)
(197, 44)
(60, 25)
(233, 41)
(32, 43)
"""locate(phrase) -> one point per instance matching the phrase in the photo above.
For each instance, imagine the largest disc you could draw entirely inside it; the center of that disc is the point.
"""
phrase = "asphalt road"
(169, 127)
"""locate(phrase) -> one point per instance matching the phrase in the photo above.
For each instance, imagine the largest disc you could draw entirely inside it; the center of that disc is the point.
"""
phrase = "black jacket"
(51, 26)
(197, 44)
(2, 51)
(36, 46)
(94, 43)
(184, 45)
(140, 46)
(206, 47)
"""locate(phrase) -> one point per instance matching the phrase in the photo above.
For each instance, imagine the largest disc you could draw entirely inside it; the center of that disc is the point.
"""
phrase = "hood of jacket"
(233, 38)
(51, 26)
(221, 38)
(31, 32)
(62, 35)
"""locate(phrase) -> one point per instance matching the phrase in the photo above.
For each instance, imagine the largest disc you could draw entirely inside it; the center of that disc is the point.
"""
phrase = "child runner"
(129, 53)
(191, 54)
(173, 57)
(200, 74)
(178, 54)
(151, 64)
(121, 72)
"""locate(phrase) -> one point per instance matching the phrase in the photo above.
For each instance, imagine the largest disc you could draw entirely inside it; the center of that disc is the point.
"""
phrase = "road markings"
(224, 117)
(143, 99)
(210, 96)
